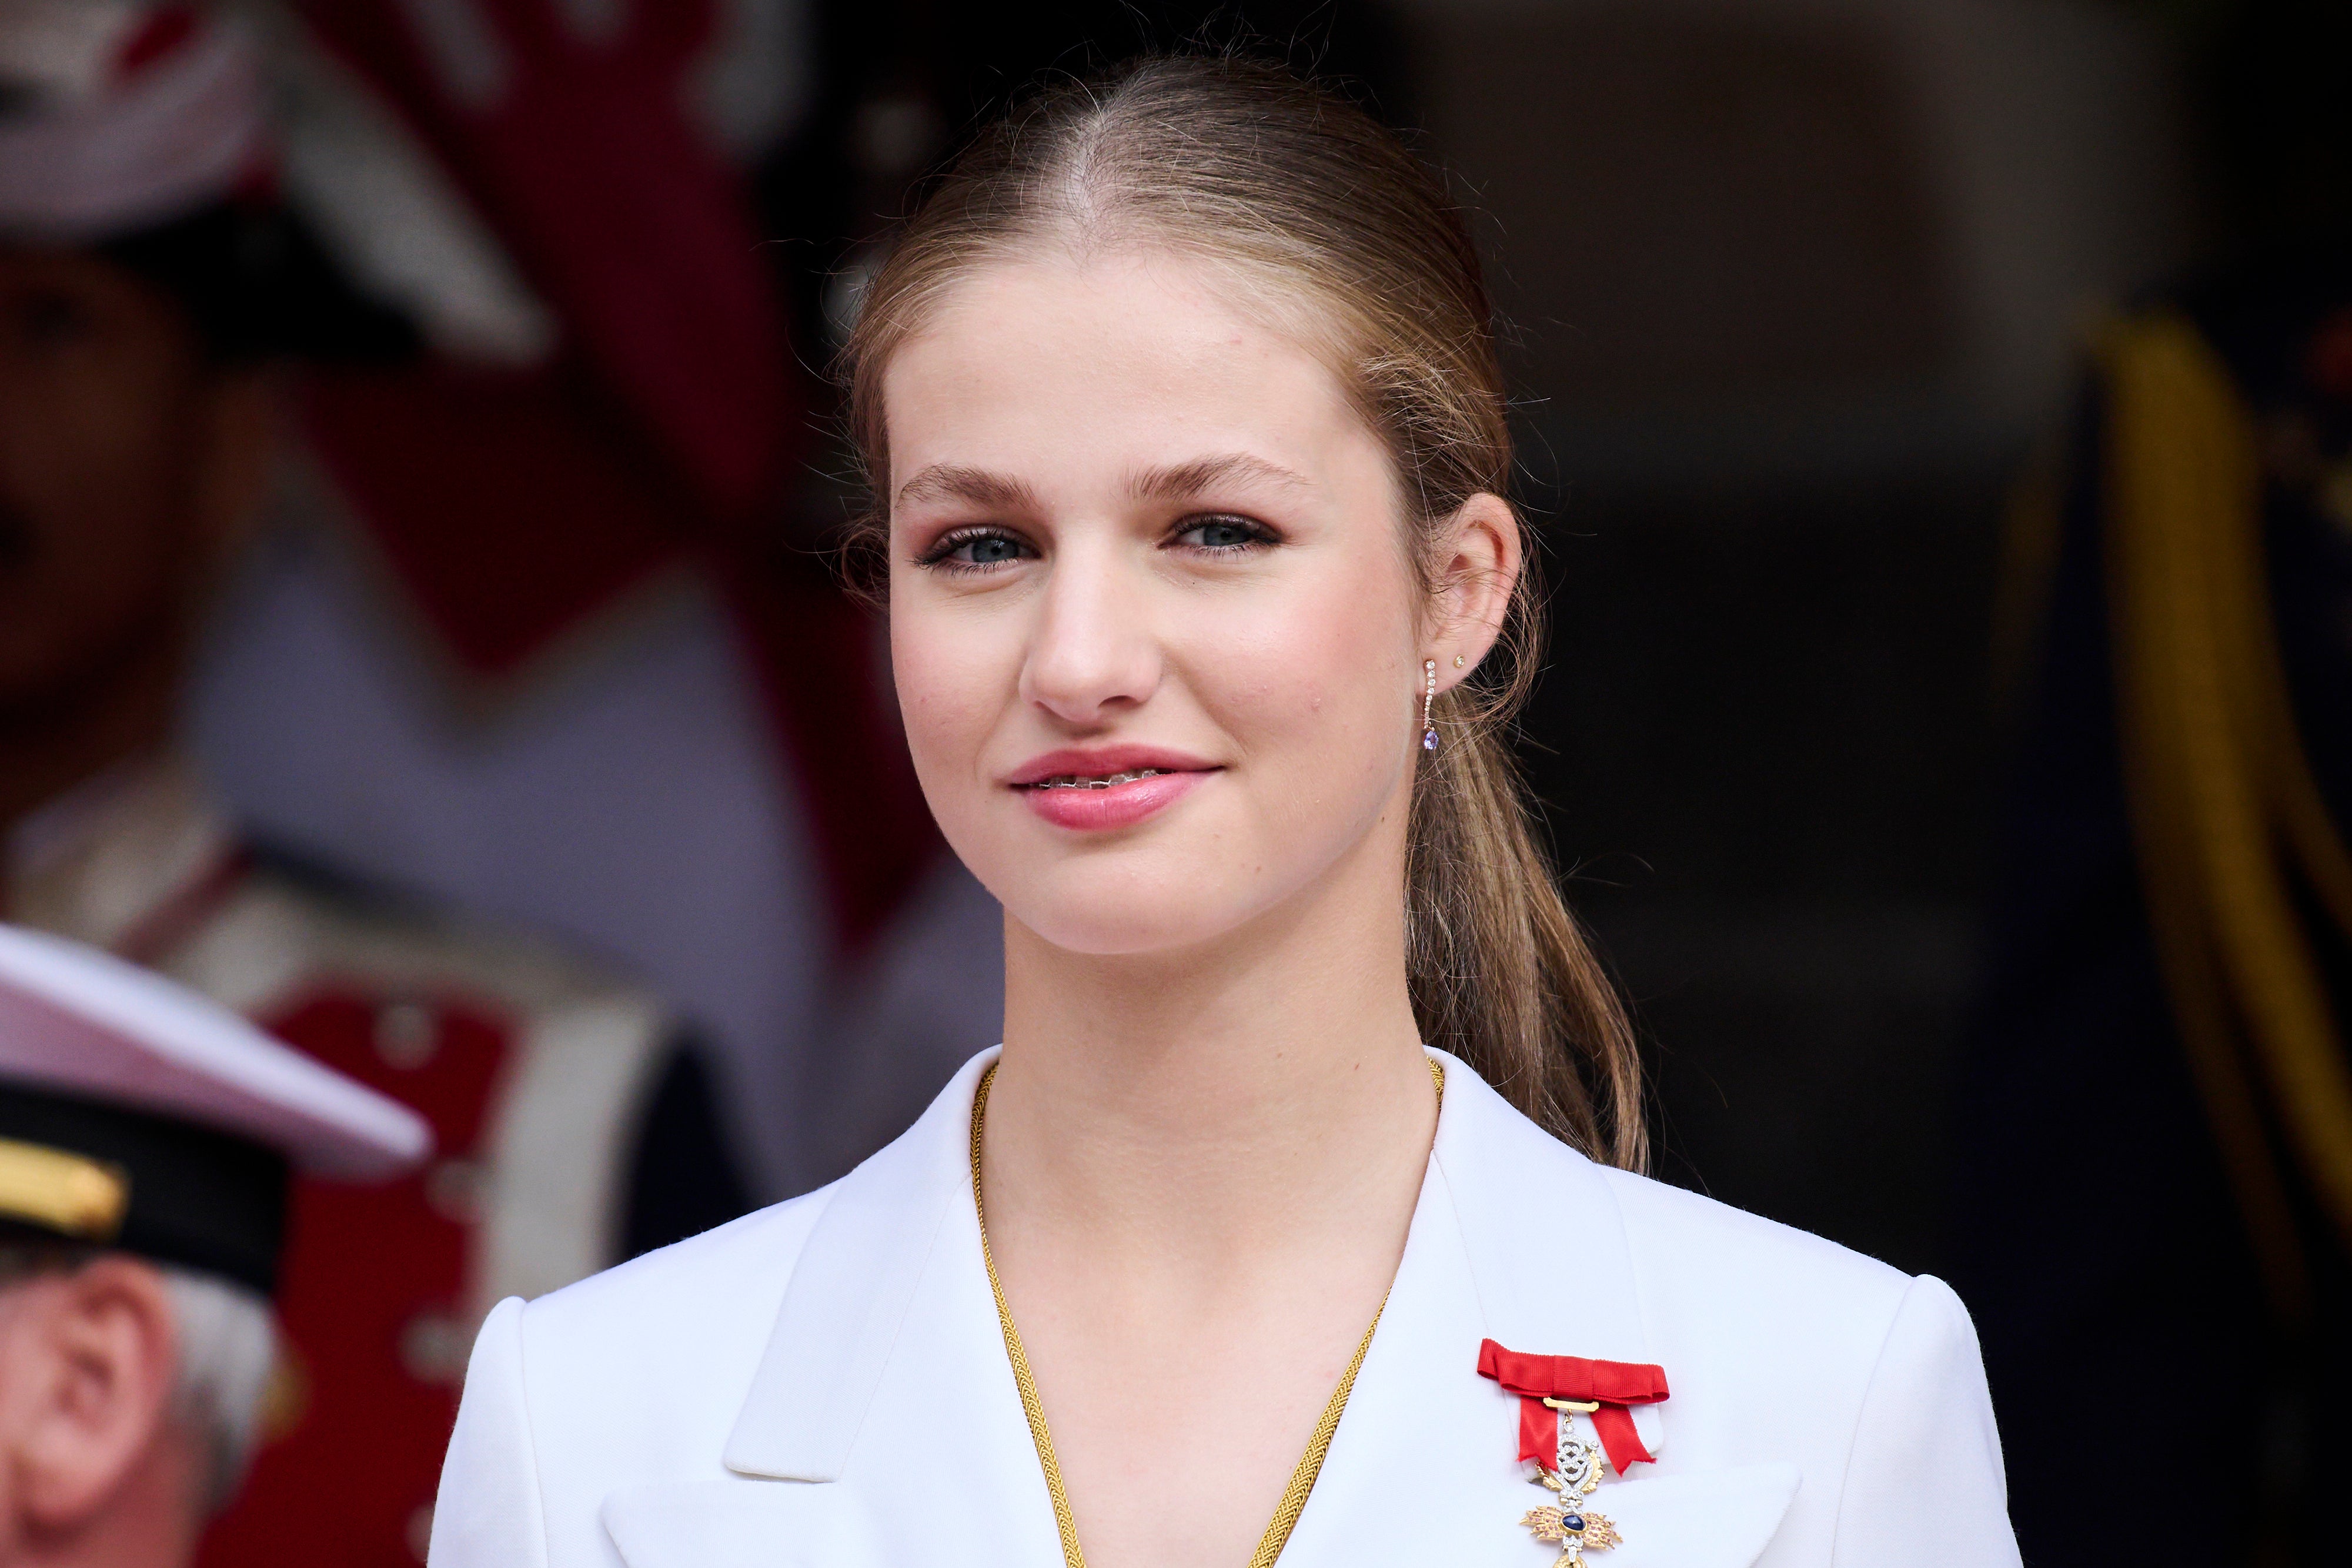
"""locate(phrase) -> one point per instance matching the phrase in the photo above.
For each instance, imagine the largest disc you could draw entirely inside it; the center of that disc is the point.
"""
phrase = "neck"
(1147, 1107)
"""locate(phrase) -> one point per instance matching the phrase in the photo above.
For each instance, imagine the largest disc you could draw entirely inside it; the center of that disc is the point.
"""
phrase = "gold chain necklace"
(1310, 1463)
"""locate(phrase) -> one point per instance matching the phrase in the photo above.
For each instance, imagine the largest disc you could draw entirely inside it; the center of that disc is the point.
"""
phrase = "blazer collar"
(887, 1368)
(858, 1274)
(886, 1374)
(1542, 1240)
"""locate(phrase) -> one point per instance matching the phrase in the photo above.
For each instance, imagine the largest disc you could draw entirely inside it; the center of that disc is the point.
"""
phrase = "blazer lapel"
(1519, 1239)
(883, 1425)
(858, 1276)
(1420, 1469)
(1545, 1239)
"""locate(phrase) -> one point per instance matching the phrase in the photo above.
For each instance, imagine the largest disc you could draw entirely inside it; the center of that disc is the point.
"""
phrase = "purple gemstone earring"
(1428, 696)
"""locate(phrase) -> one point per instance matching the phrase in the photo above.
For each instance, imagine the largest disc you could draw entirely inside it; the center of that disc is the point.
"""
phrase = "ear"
(93, 1355)
(1480, 554)
(240, 439)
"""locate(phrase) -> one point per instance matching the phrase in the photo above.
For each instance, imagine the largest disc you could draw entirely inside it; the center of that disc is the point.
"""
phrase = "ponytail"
(1499, 971)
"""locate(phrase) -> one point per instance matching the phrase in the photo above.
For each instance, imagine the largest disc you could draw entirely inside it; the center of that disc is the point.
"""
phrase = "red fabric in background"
(510, 505)
(579, 153)
(164, 29)
(1614, 1385)
(369, 1299)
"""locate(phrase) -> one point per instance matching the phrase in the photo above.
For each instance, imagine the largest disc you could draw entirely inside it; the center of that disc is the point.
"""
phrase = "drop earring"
(1428, 696)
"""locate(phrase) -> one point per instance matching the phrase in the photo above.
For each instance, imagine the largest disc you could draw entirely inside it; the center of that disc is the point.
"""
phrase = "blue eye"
(976, 549)
(1222, 534)
(989, 550)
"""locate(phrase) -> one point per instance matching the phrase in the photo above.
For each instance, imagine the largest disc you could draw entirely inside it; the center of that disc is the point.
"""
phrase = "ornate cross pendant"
(1575, 1473)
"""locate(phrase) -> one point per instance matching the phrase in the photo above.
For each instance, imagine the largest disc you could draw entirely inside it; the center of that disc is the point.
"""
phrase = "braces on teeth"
(1072, 781)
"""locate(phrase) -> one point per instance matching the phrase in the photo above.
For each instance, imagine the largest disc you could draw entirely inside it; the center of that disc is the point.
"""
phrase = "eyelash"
(939, 557)
(954, 539)
(1257, 534)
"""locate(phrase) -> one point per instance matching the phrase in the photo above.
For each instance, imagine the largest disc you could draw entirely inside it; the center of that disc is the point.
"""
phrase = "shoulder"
(1733, 1304)
(646, 1364)
(1696, 1254)
(1739, 1304)
(634, 1375)
(1780, 1348)
(1697, 1269)
(1780, 1343)
(640, 1376)
(731, 1277)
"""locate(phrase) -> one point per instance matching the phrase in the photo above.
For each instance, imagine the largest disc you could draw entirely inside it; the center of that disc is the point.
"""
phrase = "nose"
(1094, 652)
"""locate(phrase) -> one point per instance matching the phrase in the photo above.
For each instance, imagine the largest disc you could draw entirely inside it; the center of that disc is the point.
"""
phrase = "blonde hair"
(1318, 212)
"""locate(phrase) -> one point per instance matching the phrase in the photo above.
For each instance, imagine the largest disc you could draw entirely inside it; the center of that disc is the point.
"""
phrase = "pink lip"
(1119, 806)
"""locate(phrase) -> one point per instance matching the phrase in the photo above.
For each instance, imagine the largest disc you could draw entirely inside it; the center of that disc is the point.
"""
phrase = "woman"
(1297, 1217)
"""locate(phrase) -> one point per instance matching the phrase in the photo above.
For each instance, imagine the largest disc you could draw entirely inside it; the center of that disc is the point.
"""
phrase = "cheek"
(1318, 691)
(950, 686)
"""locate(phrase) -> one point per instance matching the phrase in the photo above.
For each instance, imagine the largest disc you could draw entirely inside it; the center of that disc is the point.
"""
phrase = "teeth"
(1072, 781)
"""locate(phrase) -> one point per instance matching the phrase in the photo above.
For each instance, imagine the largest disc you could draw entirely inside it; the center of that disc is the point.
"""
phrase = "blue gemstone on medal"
(1573, 1523)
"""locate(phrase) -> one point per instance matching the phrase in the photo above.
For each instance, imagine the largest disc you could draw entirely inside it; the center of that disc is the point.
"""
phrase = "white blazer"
(824, 1385)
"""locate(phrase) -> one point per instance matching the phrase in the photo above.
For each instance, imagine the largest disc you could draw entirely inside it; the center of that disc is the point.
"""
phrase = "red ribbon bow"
(1612, 1385)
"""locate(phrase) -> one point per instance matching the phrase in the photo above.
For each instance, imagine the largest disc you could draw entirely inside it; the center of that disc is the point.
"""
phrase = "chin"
(1131, 911)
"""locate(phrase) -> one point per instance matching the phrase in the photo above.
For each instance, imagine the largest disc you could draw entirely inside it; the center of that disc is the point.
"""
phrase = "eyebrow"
(978, 487)
(954, 482)
(1178, 481)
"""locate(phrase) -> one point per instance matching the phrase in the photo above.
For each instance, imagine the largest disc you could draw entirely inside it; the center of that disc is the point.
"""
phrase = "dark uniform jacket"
(2156, 1123)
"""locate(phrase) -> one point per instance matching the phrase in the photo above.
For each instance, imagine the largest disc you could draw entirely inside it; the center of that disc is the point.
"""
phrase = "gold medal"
(1580, 1530)
(1574, 1473)
(1553, 1391)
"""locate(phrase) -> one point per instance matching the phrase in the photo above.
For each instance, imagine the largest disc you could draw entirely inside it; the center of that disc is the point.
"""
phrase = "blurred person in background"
(146, 1137)
(545, 622)
(2157, 1180)
(151, 289)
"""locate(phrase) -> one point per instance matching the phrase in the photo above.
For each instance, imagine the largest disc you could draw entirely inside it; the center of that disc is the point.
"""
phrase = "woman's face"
(1157, 640)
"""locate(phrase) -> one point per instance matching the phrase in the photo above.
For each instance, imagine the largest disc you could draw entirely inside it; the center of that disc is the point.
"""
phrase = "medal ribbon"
(1613, 1385)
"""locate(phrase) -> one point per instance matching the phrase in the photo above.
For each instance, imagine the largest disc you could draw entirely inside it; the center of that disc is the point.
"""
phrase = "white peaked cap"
(109, 136)
(81, 1022)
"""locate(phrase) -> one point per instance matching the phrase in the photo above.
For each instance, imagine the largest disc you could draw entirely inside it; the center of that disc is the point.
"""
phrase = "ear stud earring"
(1457, 661)
(1428, 696)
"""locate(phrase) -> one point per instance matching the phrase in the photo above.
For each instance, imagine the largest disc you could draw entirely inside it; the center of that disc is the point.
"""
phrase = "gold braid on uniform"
(2229, 820)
